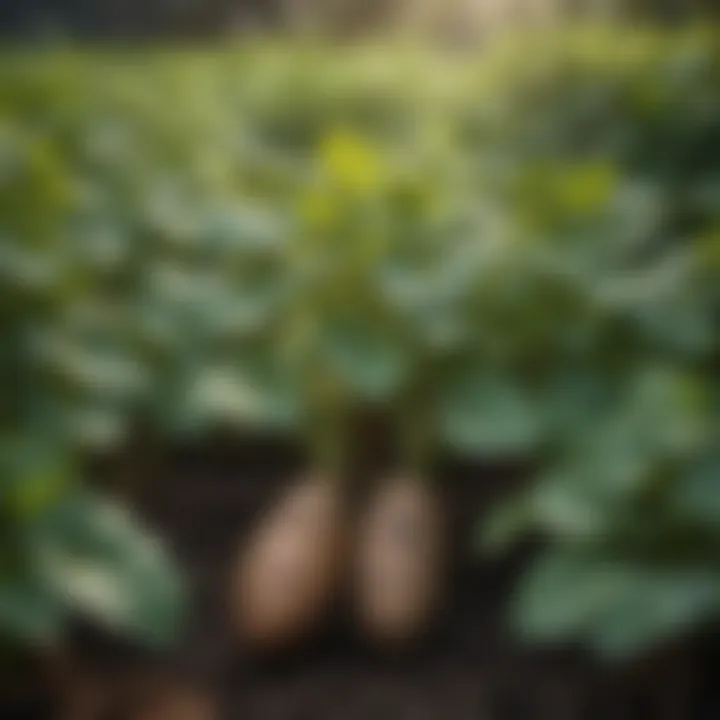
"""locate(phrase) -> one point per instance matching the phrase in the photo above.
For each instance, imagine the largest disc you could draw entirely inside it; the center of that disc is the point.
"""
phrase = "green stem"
(416, 427)
(327, 431)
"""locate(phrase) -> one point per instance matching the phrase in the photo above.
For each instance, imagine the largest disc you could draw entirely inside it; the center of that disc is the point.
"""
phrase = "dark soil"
(205, 501)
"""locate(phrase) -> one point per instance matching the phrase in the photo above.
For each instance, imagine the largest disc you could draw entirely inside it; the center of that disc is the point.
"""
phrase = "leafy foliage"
(265, 238)
(66, 550)
(632, 396)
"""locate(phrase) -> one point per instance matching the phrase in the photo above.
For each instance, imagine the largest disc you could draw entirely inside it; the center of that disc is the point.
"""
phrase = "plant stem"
(328, 430)
(416, 428)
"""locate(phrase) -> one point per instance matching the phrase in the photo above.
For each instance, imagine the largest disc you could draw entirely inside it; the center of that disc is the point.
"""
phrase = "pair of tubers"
(287, 577)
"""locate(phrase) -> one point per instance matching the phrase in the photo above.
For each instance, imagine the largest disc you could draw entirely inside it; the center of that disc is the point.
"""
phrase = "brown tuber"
(400, 562)
(286, 577)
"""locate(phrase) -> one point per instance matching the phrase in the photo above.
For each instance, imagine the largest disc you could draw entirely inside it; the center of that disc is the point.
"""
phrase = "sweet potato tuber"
(286, 577)
(400, 561)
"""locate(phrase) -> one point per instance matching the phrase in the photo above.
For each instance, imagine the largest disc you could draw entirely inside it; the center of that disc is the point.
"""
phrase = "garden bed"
(205, 499)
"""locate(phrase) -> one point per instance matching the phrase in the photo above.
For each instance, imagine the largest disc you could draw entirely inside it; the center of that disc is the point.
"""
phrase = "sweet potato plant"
(514, 255)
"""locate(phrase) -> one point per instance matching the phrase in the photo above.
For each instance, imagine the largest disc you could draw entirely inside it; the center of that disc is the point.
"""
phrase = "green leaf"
(656, 607)
(486, 412)
(575, 398)
(95, 425)
(104, 370)
(95, 557)
(567, 591)
(698, 493)
(236, 229)
(569, 507)
(665, 301)
(621, 608)
(669, 409)
(251, 397)
(24, 269)
(373, 363)
(609, 457)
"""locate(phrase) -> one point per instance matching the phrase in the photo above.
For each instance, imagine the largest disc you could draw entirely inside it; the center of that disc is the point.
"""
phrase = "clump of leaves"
(629, 405)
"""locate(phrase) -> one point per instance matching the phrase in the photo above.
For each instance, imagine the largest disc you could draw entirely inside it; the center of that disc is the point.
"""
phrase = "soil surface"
(205, 502)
